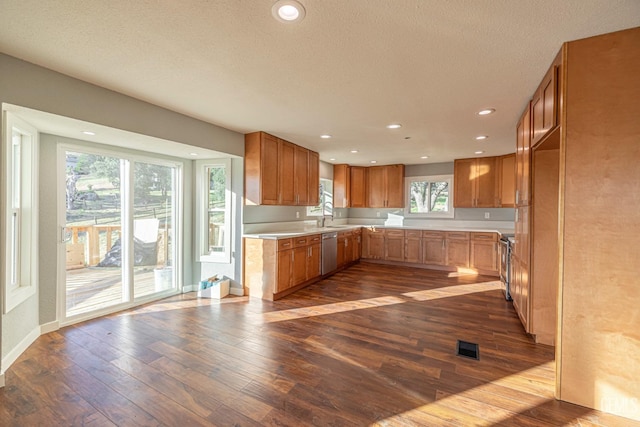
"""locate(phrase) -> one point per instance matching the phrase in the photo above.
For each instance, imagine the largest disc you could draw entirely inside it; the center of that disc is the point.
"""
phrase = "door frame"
(127, 227)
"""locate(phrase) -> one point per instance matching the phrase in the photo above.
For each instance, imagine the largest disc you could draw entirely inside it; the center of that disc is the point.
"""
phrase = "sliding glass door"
(120, 214)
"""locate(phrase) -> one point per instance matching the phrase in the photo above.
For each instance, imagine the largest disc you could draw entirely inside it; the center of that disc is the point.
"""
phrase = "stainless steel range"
(506, 242)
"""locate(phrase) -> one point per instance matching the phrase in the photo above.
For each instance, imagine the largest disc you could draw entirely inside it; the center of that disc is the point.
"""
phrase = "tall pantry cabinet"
(578, 221)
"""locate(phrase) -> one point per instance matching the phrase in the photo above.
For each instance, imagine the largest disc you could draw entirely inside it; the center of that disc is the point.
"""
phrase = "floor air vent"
(468, 349)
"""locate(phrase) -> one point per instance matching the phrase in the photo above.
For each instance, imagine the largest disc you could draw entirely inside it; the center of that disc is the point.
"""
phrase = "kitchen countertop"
(346, 227)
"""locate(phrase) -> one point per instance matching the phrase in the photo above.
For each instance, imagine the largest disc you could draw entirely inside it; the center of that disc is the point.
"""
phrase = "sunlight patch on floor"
(470, 406)
(453, 291)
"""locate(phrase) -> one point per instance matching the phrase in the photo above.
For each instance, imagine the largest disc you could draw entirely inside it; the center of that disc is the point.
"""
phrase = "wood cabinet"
(520, 290)
(358, 186)
(341, 186)
(273, 268)
(484, 252)
(314, 178)
(356, 247)
(413, 246)
(278, 172)
(434, 247)
(394, 245)
(261, 169)
(544, 105)
(385, 185)
(373, 243)
(523, 158)
(345, 252)
(475, 183)
(506, 181)
(457, 249)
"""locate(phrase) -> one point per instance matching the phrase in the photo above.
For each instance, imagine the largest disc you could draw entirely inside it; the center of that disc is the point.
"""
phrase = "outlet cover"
(297, 214)
(487, 215)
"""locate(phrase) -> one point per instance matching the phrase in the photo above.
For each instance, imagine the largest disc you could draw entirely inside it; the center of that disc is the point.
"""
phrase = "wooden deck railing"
(90, 243)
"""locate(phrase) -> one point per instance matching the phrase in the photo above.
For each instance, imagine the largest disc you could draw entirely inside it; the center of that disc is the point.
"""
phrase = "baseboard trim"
(1, 380)
(189, 288)
(22, 346)
(49, 327)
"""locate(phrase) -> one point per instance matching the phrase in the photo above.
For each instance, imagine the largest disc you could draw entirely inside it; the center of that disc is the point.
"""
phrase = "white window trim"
(407, 191)
(202, 227)
(27, 263)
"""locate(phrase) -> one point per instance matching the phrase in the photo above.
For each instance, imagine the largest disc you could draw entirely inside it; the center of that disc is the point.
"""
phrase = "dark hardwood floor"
(372, 345)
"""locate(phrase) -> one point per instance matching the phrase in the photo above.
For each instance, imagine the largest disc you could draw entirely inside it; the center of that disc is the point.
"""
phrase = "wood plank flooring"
(371, 345)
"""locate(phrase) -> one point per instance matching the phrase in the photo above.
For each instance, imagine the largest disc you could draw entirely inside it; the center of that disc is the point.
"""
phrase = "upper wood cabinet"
(341, 186)
(475, 183)
(368, 187)
(507, 181)
(523, 158)
(386, 186)
(358, 183)
(544, 104)
(278, 172)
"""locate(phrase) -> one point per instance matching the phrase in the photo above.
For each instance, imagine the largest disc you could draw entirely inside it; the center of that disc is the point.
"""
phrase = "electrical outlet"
(378, 214)
(339, 214)
(297, 214)
(487, 215)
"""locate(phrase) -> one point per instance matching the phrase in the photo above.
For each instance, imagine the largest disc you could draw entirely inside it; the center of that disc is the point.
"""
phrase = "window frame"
(21, 212)
(202, 211)
(430, 178)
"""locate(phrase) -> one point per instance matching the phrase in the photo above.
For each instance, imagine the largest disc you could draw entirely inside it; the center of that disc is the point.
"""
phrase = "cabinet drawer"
(356, 231)
(285, 244)
(316, 238)
(457, 235)
(484, 237)
(344, 234)
(413, 234)
(433, 234)
(300, 241)
(390, 232)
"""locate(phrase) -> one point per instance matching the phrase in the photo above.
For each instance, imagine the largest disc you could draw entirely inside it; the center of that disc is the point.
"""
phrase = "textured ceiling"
(349, 69)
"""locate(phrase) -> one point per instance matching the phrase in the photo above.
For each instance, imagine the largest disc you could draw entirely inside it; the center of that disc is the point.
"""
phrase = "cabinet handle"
(517, 196)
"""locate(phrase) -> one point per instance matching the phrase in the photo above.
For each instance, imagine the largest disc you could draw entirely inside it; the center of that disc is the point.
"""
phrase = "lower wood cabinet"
(393, 245)
(443, 250)
(519, 289)
(484, 252)
(273, 268)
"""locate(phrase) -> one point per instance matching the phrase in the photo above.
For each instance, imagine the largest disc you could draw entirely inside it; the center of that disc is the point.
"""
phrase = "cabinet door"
(356, 248)
(348, 247)
(373, 243)
(523, 161)
(358, 182)
(507, 181)
(394, 245)
(394, 186)
(285, 270)
(314, 252)
(314, 179)
(376, 187)
(341, 186)
(301, 175)
(260, 175)
(285, 166)
(522, 243)
(464, 183)
(341, 251)
(299, 265)
(484, 252)
(413, 246)
(543, 106)
(434, 250)
(486, 177)
(520, 294)
(457, 249)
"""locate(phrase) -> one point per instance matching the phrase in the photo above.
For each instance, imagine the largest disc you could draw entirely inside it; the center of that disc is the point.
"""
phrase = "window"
(21, 245)
(325, 200)
(429, 196)
(214, 210)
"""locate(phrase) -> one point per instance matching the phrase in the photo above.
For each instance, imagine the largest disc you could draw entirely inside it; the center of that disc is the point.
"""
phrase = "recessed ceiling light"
(424, 157)
(394, 126)
(88, 132)
(479, 152)
(332, 159)
(288, 11)
(481, 137)
(486, 111)
(354, 151)
(374, 161)
(193, 154)
(325, 136)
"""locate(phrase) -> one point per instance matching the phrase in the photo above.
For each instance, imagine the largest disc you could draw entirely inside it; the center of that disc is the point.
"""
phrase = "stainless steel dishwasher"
(329, 252)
